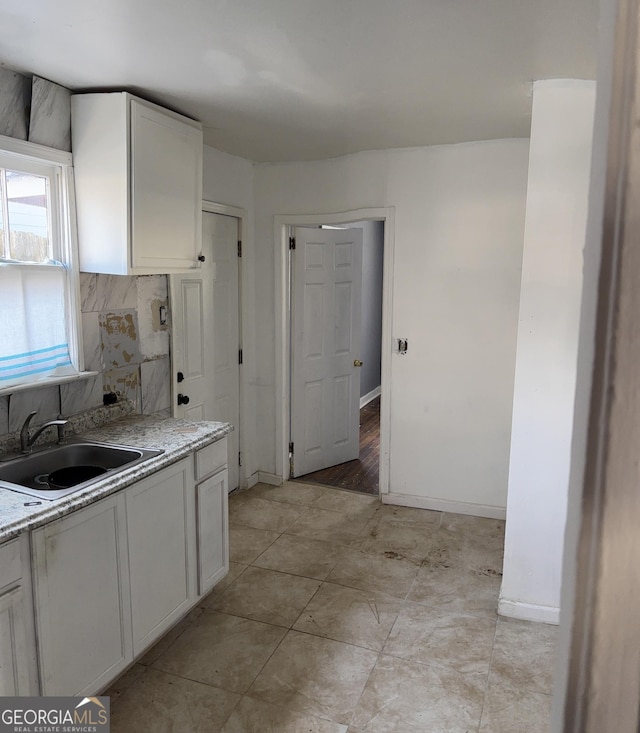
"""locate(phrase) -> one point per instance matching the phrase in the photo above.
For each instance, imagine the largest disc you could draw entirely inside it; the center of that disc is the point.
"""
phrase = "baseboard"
(370, 396)
(529, 611)
(270, 478)
(442, 505)
(251, 480)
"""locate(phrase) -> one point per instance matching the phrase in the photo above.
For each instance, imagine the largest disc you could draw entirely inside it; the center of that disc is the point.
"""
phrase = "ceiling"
(280, 80)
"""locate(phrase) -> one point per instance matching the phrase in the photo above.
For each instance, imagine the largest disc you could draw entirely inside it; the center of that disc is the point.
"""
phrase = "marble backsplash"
(123, 341)
(15, 100)
(35, 109)
(50, 118)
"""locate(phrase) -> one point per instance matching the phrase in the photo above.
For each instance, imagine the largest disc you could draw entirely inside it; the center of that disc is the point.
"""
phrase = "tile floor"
(342, 614)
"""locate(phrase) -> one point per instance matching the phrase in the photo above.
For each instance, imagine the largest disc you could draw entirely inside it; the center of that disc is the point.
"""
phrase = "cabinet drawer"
(210, 459)
(10, 567)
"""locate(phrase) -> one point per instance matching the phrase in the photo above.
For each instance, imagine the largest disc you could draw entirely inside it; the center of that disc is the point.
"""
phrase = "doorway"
(206, 338)
(361, 473)
(369, 468)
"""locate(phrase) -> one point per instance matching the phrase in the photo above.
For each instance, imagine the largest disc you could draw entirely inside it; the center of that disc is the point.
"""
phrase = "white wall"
(459, 218)
(559, 168)
(227, 179)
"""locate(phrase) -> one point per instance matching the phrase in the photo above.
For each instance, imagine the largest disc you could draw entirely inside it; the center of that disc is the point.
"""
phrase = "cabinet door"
(213, 530)
(81, 601)
(160, 533)
(14, 669)
(17, 643)
(166, 190)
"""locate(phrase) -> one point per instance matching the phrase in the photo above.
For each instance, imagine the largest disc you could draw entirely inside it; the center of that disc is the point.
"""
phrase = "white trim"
(282, 323)
(270, 478)
(443, 505)
(56, 166)
(69, 233)
(47, 382)
(529, 611)
(211, 207)
(370, 396)
(252, 480)
(22, 147)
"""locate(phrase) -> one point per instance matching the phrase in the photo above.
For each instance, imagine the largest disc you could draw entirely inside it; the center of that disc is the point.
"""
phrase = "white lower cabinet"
(212, 497)
(17, 643)
(83, 615)
(161, 541)
(111, 578)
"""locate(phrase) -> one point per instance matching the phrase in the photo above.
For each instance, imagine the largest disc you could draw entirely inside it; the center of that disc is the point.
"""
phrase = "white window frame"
(28, 156)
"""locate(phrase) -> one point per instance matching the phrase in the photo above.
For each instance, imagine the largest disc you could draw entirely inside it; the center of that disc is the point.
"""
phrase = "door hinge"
(290, 449)
(291, 460)
(239, 248)
(240, 356)
(240, 458)
(292, 242)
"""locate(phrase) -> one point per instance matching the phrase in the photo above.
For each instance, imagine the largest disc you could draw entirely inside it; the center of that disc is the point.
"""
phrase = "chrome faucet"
(26, 441)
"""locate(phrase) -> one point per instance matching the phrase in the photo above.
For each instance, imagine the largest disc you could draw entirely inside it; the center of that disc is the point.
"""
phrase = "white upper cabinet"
(138, 176)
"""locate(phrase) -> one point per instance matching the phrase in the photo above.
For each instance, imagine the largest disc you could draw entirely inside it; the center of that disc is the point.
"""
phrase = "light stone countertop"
(177, 438)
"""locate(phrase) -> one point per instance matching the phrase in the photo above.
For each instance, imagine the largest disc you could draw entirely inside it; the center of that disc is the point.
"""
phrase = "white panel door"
(206, 335)
(192, 352)
(325, 327)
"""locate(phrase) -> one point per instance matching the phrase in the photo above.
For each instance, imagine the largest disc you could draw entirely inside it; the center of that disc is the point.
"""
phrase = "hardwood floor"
(361, 475)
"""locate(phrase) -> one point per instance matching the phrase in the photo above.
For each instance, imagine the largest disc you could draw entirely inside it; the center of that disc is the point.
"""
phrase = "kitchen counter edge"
(177, 438)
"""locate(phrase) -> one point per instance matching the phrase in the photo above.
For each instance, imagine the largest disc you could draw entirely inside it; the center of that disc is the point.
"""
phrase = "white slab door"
(325, 347)
(206, 334)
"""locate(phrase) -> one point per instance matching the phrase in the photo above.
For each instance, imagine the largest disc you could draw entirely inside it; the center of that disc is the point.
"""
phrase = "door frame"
(282, 224)
(599, 643)
(212, 207)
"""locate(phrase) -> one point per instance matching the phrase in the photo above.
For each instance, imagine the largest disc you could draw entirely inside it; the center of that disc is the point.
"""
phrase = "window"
(38, 280)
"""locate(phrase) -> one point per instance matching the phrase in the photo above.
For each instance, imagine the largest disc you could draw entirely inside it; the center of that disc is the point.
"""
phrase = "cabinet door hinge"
(240, 356)
(239, 248)
(292, 242)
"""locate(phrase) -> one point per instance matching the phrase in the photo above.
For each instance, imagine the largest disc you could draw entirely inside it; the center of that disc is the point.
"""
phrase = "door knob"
(180, 377)
(183, 399)
(357, 362)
